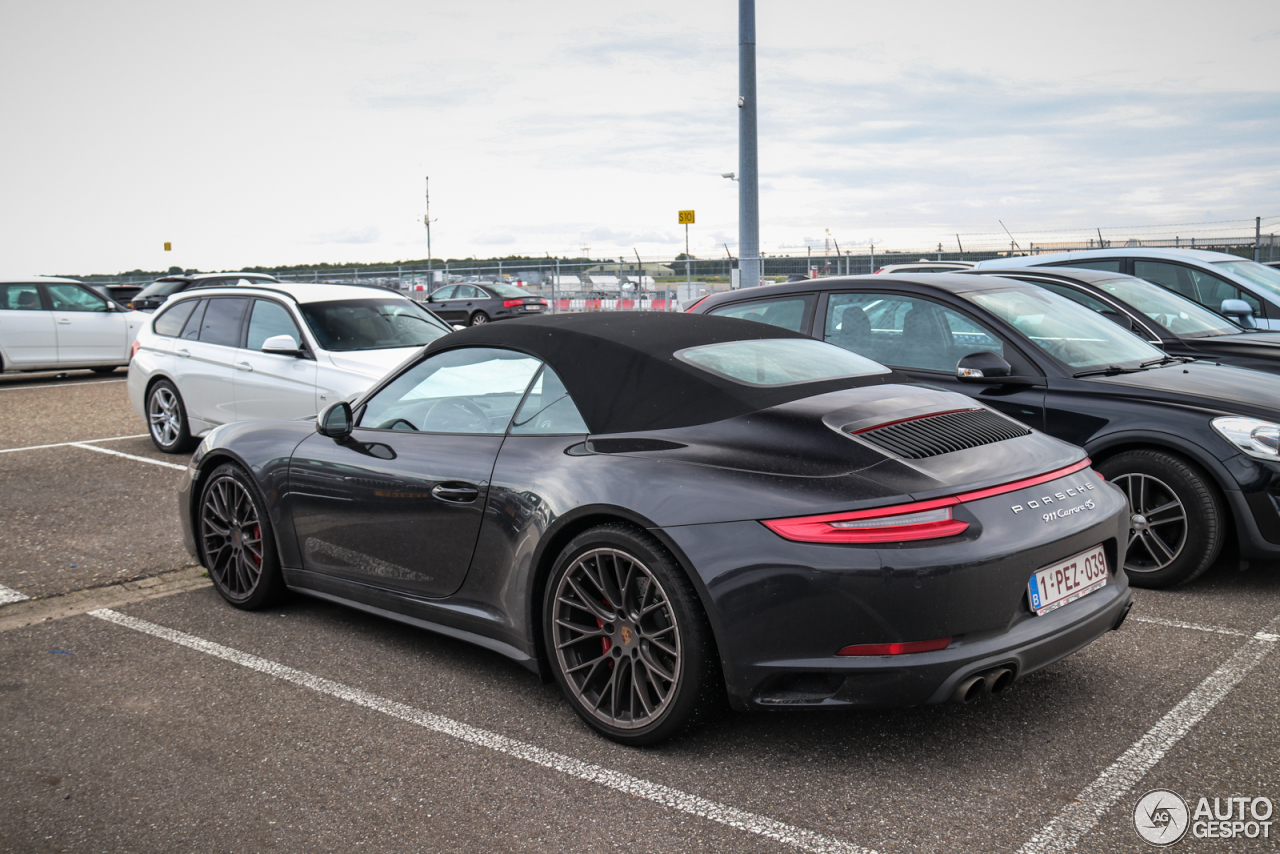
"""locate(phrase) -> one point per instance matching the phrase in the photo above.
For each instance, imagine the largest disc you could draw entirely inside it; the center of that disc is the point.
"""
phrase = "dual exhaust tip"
(983, 684)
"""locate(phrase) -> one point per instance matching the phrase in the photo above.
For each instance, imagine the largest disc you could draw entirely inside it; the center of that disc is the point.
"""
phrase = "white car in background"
(47, 323)
(286, 350)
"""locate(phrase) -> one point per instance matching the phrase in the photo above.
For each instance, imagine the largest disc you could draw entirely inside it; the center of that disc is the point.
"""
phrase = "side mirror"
(335, 422)
(1239, 311)
(281, 345)
(981, 367)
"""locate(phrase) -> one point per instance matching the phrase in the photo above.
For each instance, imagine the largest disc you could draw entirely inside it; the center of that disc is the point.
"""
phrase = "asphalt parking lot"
(143, 714)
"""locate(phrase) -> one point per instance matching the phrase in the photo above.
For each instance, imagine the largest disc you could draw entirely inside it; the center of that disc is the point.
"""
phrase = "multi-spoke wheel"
(1176, 524)
(236, 542)
(627, 638)
(478, 318)
(167, 419)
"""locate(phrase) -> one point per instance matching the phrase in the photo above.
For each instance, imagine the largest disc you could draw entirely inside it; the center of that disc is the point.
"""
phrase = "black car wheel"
(1177, 524)
(236, 542)
(167, 419)
(627, 637)
(478, 318)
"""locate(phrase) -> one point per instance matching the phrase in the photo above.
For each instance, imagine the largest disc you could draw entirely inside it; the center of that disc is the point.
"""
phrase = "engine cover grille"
(946, 433)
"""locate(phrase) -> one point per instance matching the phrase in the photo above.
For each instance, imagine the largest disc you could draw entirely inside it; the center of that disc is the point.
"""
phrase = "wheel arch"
(571, 525)
(206, 464)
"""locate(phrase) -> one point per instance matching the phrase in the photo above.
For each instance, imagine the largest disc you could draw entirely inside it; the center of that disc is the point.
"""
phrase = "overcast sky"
(273, 132)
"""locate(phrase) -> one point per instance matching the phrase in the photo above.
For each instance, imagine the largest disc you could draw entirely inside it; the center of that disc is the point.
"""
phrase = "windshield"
(1072, 334)
(779, 361)
(507, 291)
(161, 289)
(371, 324)
(1267, 278)
(1176, 313)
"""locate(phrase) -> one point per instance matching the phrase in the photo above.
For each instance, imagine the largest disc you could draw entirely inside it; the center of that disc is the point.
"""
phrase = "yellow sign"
(168, 247)
(686, 217)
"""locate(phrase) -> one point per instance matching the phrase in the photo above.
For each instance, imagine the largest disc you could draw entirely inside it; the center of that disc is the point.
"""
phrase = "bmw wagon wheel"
(627, 638)
(236, 541)
(167, 419)
(1176, 520)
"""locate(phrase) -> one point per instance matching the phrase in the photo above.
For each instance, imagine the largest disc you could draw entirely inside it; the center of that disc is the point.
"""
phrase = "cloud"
(368, 234)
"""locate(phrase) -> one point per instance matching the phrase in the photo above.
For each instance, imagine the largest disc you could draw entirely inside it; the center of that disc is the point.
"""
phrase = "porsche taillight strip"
(898, 648)
(919, 520)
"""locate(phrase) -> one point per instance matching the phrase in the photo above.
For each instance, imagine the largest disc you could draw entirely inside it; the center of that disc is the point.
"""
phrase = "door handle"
(243, 366)
(186, 354)
(459, 493)
(63, 320)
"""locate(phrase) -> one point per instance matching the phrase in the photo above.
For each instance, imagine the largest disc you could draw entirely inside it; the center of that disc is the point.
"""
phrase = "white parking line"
(127, 456)
(7, 596)
(65, 444)
(806, 840)
(1082, 815)
(1178, 624)
(59, 385)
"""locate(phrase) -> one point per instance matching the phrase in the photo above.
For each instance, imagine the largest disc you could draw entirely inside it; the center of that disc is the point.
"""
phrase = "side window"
(467, 292)
(221, 324)
(22, 297)
(905, 332)
(548, 410)
(787, 312)
(1111, 265)
(75, 298)
(268, 320)
(445, 293)
(172, 318)
(1171, 277)
(468, 390)
(1214, 290)
(191, 329)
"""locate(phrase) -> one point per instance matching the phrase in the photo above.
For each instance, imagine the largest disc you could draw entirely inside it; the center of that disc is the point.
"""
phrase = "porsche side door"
(924, 338)
(398, 505)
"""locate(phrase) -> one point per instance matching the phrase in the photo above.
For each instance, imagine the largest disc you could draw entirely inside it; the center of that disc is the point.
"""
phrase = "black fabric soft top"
(620, 368)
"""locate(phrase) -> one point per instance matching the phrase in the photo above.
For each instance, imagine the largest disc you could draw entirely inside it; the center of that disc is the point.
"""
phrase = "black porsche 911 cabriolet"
(658, 510)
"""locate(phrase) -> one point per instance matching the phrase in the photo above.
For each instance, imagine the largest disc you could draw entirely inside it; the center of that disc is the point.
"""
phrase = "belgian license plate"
(533, 308)
(1065, 582)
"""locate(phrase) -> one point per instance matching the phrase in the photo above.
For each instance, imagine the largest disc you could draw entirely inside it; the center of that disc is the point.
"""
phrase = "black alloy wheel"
(627, 637)
(236, 543)
(1177, 525)
(478, 318)
(167, 419)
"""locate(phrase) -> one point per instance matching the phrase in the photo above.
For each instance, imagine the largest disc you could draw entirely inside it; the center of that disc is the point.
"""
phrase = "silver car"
(1218, 281)
(210, 356)
(48, 323)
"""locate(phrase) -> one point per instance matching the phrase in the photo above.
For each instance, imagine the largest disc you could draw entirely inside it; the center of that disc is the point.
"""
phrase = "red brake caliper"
(608, 644)
(257, 535)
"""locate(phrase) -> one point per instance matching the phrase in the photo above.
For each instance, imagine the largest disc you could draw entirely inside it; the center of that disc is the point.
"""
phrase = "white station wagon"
(210, 356)
(48, 323)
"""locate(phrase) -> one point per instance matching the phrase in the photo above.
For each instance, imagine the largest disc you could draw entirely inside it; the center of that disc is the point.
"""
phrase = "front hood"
(1219, 389)
(374, 364)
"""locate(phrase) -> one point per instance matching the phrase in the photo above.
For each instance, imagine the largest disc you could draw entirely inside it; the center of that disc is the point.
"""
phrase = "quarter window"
(20, 298)
(468, 390)
(171, 320)
(221, 323)
(547, 409)
(787, 312)
(268, 320)
(905, 332)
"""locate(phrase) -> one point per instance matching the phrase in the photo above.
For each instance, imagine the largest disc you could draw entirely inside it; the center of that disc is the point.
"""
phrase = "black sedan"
(473, 304)
(1172, 322)
(1195, 445)
(661, 510)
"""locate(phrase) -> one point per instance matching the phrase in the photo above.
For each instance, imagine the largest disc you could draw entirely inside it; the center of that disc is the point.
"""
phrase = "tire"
(645, 670)
(478, 318)
(1177, 518)
(167, 419)
(105, 369)
(236, 543)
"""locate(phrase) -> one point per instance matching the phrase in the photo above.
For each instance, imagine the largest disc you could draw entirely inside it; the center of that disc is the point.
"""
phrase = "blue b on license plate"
(1068, 580)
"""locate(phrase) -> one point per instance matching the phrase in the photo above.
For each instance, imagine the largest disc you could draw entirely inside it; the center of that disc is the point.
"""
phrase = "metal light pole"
(748, 167)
